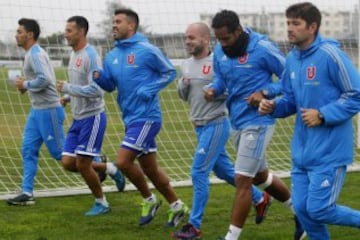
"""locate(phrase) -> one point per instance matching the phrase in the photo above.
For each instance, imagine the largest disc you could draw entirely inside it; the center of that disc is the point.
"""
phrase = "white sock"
(177, 205)
(28, 194)
(288, 203)
(151, 199)
(102, 201)
(110, 168)
(233, 233)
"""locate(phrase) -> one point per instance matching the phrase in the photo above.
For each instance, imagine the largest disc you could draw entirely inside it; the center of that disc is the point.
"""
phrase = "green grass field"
(61, 218)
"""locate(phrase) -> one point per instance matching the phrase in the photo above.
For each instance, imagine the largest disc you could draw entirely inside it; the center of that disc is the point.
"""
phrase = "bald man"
(212, 129)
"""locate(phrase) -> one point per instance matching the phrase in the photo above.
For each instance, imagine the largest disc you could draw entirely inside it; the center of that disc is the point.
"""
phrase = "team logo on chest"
(78, 62)
(243, 59)
(206, 69)
(130, 58)
(311, 72)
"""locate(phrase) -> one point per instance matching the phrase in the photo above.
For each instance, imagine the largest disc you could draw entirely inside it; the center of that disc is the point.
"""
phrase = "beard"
(238, 49)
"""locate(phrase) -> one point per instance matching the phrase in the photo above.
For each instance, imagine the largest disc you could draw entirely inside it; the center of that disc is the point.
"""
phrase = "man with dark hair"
(322, 87)
(244, 62)
(45, 120)
(212, 129)
(85, 136)
(139, 71)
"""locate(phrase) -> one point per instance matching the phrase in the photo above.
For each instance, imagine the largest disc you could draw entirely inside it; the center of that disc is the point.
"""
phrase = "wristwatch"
(321, 117)
(265, 92)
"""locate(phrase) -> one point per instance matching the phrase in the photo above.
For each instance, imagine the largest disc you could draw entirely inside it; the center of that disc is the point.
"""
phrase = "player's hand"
(209, 94)
(310, 117)
(266, 106)
(63, 101)
(186, 81)
(254, 99)
(60, 86)
(96, 75)
(19, 84)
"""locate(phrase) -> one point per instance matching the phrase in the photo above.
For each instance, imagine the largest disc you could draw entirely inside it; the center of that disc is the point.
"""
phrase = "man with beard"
(322, 90)
(212, 129)
(139, 71)
(244, 62)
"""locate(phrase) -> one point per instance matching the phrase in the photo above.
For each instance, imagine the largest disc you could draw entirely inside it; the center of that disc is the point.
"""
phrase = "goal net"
(164, 22)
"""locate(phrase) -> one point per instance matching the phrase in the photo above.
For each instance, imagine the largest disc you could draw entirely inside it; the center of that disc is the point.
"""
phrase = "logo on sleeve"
(311, 72)
(130, 59)
(243, 59)
(206, 69)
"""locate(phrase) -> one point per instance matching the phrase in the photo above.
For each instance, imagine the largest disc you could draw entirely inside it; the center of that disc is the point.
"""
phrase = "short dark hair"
(30, 25)
(81, 22)
(226, 18)
(307, 11)
(130, 14)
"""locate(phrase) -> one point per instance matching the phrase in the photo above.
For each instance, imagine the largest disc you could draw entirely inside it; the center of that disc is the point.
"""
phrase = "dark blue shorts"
(85, 136)
(140, 137)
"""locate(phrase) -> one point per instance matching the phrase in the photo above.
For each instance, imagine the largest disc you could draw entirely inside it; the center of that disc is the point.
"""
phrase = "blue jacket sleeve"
(105, 81)
(166, 74)
(218, 83)
(346, 77)
(285, 105)
(275, 63)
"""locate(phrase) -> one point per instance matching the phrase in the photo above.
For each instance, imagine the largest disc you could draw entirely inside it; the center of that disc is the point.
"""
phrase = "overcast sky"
(161, 16)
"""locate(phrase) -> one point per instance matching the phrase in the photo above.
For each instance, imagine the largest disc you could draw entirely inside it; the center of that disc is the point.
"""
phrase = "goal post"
(164, 23)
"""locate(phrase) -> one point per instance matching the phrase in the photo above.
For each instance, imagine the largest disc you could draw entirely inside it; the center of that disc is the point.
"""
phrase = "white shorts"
(250, 144)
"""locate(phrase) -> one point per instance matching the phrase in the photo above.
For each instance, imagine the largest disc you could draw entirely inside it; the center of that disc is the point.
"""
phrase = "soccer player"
(244, 62)
(85, 136)
(44, 123)
(212, 129)
(322, 87)
(139, 71)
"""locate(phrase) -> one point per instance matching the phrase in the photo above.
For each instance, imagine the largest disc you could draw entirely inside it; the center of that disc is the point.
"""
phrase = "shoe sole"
(27, 203)
(173, 235)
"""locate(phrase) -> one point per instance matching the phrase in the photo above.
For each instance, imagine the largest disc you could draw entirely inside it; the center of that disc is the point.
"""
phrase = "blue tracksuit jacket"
(246, 75)
(139, 71)
(321, 77)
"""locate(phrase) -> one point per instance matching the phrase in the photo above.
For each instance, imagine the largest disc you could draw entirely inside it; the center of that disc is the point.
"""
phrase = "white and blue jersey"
(45, 120)
(320, 77)
(86, 133)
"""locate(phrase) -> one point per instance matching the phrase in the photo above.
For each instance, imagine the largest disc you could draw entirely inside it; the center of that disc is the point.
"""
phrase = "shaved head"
(201, 28)
(197, 39)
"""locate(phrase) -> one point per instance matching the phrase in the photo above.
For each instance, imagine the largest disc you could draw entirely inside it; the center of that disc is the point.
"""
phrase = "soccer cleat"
(22, 200)
(119, 179)
(148, 211)
(187, 232)
(220, 238)
(262, 208)
(300, 233)
(102, 175)
(174, 217)
(98, 209)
